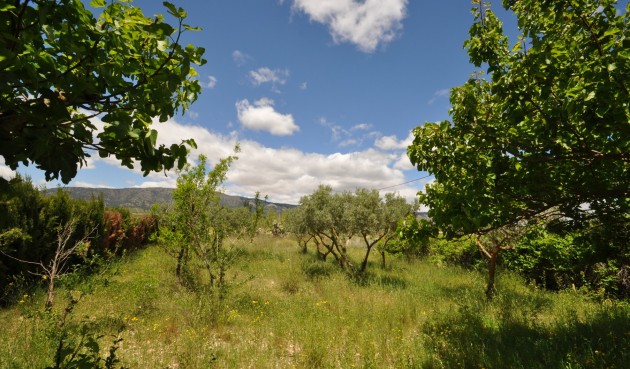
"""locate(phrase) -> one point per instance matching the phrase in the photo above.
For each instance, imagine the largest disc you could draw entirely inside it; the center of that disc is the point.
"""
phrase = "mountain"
(142, 199)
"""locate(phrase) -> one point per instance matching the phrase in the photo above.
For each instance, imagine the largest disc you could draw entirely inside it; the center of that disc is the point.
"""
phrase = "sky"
(314, 91)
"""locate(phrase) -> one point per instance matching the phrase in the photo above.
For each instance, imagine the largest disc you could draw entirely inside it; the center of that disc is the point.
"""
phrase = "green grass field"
(285, 309)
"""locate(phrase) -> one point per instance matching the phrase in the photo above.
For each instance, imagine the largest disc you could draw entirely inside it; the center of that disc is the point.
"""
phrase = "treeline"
(33, 226)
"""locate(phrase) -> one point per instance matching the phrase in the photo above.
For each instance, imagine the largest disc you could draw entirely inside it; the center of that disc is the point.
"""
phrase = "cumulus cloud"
(261, 116)
(284, 174)
(403, 163)
(366, 23)
(392, 142)
(287, 174)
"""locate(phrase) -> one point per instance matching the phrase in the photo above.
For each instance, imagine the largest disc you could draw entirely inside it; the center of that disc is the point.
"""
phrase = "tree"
(549, 129)
(295, 222)
(545, 130)
(326, 218)
(375, 219)
(196, 204)
(197, 226)
(60, 66)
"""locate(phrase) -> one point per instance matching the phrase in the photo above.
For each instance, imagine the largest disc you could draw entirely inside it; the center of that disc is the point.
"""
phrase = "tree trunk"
(365, 259)
(492, 267)
(50, 296)
(383, 266)
(180, 261)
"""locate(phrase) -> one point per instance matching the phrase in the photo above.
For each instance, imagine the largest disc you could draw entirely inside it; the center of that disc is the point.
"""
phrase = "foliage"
(375, 219)
(35, 230)
(331, 220)
(124, 232)
(546, 129)
(61, 65)
(558, 261)
(30, 228)
(324, 216)
(81, 350)
(196, 227)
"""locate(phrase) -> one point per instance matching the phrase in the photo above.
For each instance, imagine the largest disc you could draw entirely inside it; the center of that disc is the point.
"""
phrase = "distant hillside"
(142, 199)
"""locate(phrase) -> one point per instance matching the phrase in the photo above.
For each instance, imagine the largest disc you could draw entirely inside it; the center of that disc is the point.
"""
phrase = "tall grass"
(285, 309)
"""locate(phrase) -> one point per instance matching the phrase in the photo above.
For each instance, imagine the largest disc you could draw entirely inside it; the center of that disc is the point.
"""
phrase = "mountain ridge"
(142, 199)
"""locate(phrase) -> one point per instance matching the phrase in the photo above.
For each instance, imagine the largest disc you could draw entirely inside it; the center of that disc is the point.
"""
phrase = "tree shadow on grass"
(471, 338)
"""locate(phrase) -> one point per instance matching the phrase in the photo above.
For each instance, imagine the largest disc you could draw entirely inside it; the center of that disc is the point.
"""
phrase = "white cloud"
(193, 114)
(170, 182)
(285, 174)
(403, 163)
(266, 75)
(392, 142)
(240, 57)
(261, 116)
(212, 82)
(361, 127)
(6, 172)
(366, 23)
(303, 86)
(349, 137)
(89, 184)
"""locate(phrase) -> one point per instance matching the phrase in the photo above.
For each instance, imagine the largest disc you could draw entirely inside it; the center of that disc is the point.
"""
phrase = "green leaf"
(97, 3)
(171, 8)
(6, 6)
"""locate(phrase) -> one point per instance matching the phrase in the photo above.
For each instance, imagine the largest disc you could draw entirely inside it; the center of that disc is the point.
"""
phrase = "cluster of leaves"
(548, 129)
(558, 261)
(330, 220)
(60, 66)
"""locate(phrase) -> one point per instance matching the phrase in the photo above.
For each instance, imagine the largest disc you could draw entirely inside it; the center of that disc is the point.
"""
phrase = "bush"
(462, 252)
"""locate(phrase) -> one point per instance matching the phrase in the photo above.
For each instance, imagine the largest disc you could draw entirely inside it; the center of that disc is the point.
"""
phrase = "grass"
(288, 310)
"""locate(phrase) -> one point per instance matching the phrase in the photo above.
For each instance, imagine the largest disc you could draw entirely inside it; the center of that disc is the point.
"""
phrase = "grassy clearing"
(286, 309)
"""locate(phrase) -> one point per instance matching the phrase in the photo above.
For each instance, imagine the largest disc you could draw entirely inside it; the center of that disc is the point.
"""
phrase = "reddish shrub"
(114, 233)
(138, 234)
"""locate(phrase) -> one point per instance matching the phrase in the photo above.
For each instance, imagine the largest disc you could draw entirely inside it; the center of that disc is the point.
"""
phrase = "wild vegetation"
(531, 179)
(289, 309)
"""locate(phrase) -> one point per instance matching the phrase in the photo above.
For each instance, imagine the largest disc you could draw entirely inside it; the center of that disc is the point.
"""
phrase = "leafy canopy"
(60, 65)
(546, 127)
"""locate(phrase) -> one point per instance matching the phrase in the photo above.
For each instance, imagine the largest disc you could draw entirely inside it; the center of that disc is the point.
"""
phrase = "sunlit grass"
(286, 309)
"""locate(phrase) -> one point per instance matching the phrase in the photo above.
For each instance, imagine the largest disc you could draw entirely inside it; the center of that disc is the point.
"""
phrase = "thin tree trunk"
(383, 266)
(492, 267)
(180, 261)
(365, 259)
(50, 297)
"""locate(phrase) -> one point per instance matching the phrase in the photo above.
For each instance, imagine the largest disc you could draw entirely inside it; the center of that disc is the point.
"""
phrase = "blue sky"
(315, 91)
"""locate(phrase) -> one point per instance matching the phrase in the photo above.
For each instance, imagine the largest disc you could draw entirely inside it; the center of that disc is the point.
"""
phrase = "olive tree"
(375, 219)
